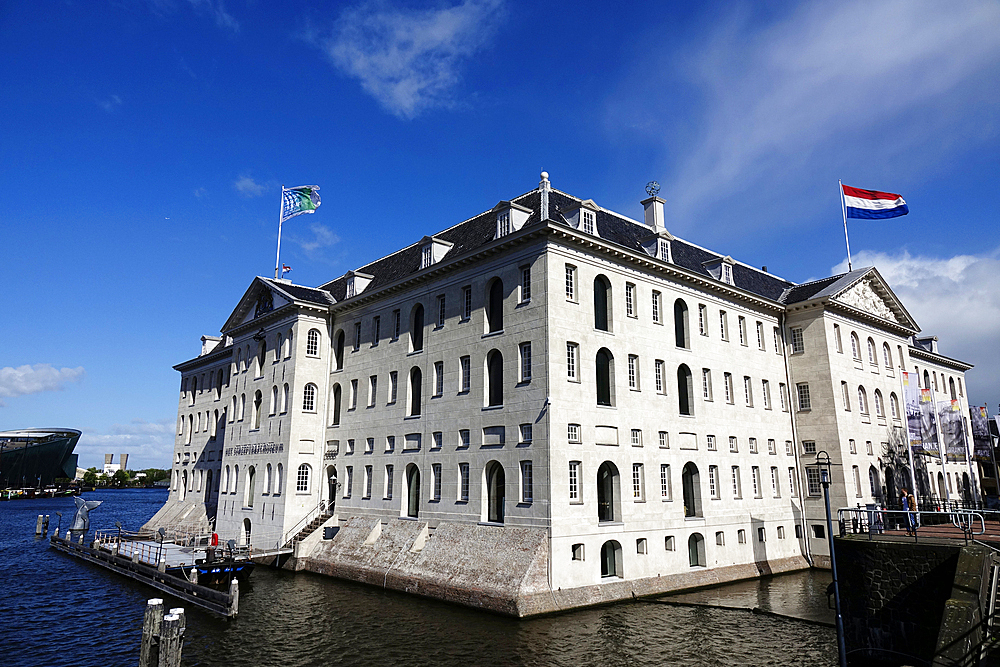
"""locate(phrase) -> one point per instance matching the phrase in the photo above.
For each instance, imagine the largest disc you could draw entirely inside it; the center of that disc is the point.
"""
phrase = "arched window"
(951, 388)
(302, 479)
(605, 376)
(862, 401)
(873, 483)
(236, 479)
(335, 405)
(261, 352)
(696, 550)
(215, 424)
(886, 356)
(274, 399)
(494, 306)
(417, 328)
(267, 479)
(927, 379)
(495, 492)
(412, 491)
(872, 358)
(602, 303)
(279, 348)
(312, 343)
(247, 526)
(338, 351)
(208, 486)
(288, 349)
(331, 487)
(190, 430)
(685, 390)
(855, 347)
(284, 398)
(258, 400)
(309, 398)
(243, 406)
(249, 491)
(611, 559)
(494, 378)
(879, 408)
(239, 360)
(681, 329)
(184, 483)
(608, 493)
(218, 384)
(691, 482)
(225, 481)
(194, 390)
(415, 384)
(279, 479)
(894, 405)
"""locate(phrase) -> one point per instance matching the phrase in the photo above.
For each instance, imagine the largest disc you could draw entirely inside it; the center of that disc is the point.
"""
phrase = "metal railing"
(874, 520)
(290, 534)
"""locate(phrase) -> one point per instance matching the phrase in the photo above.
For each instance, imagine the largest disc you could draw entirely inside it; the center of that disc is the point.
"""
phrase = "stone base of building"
(181, 517)
(500, 569)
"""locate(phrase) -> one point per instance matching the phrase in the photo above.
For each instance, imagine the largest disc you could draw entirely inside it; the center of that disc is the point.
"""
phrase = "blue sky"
(143, 145)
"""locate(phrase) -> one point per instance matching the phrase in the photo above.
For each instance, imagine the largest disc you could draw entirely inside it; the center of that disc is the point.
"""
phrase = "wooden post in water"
(45, 526)
(149, 650)
(234, 600)
(171, 640)
(38, 526)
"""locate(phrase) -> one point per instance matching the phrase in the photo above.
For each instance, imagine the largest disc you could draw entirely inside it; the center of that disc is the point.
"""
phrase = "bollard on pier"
(38, 526)
(45, 526)
(162, 635)
(151, 622)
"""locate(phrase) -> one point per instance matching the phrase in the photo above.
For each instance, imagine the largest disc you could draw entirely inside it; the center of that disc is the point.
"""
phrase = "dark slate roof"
(825, 287)
(301, 293)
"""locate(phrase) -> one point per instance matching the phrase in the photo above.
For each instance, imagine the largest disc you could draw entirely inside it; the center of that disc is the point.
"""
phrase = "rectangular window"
(438, 378)
(788, 448)
(664, 440)
(666, 493)
(463, 481)
(633, 372)
(846, 392)
(792, 486)
(368, 482)
(571, 349)
(390, 443)
(741, 536)
(588, 222)
(357, 336)
(737, 484)
(436, 472)
(350, 445)
(466, 364)
(710, 443)
(868, 446)
(774, 483)
(748, 390)
(527, 490)
(369, 445)
(706, 384)
(713, 482)
(578, 551)
(857, 481)
(573, 432)
(733, 445)
(702, 319)
(463, 438)
(466, 303)
(724, 325)
(809, 446)
(836, 339)
(772, 447)
(574, 481)
(761, 534)
(637, 490)
(354, 394)
(798, 344)
(376, 330)
(854, 446)
(525, 362)
(570, 282)
(777, 341)
(637, 437)
(760, 336)
(426, 257)
(669, 543)
(525, 284)
(812, 480)
(630, 299)
(437, 439)
(348, 481)
(393, 377)
(743, 330)
(803, 391)
(441, 311)
(372, 390)
(783, 394)
(525, 430)
(752, 445)
(640, 546)
(728, 381)
(656, 307)
(755, 476)
(765, 388)
(395, 325)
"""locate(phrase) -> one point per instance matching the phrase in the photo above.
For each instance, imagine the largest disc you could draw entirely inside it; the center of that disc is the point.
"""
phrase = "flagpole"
(843, 208)
(906, 439)
(281, 208)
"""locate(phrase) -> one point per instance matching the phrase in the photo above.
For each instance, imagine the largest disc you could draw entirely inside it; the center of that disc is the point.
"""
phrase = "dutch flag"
(872, 204)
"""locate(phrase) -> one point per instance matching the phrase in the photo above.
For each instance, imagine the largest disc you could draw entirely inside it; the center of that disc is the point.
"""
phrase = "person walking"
(908, 507)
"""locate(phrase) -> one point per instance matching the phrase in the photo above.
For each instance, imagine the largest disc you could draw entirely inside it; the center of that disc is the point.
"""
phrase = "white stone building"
(553, 392)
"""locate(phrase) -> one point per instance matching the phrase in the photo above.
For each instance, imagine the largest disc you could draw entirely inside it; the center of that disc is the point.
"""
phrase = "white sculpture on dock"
(81, 520)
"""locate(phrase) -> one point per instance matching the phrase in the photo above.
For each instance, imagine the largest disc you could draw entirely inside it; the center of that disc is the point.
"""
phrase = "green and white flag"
(296, 201)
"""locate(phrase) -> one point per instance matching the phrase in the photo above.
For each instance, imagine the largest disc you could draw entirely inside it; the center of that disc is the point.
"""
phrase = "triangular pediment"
(870, 294)
(260, 299)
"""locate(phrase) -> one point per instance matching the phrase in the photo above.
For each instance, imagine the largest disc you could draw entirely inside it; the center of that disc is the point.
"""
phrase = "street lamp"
(118, 545)
(824, 464)
(159, 554)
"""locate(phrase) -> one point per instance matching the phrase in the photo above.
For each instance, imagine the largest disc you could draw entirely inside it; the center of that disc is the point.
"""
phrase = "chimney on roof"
(123, 461)
(653, 208)
(544, 186)
(764, 268)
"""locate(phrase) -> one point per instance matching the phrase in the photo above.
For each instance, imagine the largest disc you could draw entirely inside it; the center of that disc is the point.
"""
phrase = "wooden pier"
(130, 564)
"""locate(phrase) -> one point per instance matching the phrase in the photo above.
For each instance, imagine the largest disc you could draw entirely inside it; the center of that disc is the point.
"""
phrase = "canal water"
(57, 611)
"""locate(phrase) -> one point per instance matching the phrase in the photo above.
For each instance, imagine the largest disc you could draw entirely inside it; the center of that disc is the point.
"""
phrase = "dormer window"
(503, 223)
(426, 257)
(433, 250)
(588, 222)
(721, 269)
(510, 217)
(356, 283)
(351, 291)
(727, 274)
(664, 250)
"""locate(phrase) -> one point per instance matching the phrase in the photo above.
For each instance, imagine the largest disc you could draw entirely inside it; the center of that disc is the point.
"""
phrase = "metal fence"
(873, 520)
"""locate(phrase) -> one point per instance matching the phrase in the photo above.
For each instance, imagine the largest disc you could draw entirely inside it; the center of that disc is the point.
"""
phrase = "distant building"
(642, 410)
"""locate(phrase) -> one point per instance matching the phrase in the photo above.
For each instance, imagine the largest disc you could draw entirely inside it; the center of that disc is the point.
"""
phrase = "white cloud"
(847, 79)
(322, 237)
(201, 193)
(110, 104)
(34, 379)
(956, 299)
(248, 187)
(213, 8)
(409, 59)
(148, 444)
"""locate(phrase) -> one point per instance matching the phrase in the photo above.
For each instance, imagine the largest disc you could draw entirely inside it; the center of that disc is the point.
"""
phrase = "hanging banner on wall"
(979, 421)
(920, 422)
(952, 430)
